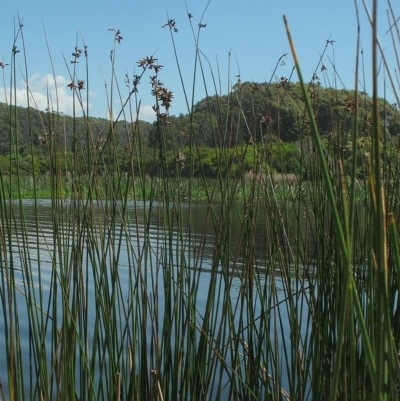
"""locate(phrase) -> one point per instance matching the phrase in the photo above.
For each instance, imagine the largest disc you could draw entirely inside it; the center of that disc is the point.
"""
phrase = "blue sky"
(252, 32)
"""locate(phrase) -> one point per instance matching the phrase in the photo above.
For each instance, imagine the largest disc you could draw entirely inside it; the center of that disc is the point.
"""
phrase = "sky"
(241, 38)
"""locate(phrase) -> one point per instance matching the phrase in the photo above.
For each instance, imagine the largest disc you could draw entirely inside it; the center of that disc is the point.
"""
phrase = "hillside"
(252, 114)
(31, 124)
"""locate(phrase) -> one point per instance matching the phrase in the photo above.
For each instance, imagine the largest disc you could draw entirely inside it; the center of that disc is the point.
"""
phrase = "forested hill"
(39, 126)
(255, 112)
(251, 113)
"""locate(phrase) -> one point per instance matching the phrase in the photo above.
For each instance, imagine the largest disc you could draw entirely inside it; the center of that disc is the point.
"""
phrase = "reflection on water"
(53, 235)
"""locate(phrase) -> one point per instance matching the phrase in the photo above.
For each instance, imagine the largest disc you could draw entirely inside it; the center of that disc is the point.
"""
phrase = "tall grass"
(147, 288)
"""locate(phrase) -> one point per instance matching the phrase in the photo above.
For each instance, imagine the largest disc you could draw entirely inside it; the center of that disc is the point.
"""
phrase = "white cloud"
(146, 113)
(45, 91)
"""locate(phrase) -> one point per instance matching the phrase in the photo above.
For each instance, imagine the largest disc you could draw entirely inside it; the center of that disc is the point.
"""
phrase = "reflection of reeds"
(294, 295)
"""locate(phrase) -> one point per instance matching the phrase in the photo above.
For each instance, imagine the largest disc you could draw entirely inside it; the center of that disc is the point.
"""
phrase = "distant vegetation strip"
(268, 116)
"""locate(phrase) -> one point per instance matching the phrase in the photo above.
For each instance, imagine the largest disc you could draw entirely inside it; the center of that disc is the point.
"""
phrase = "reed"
(172, 286)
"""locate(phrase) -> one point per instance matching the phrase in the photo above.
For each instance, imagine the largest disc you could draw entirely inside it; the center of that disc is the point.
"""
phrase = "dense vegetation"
(270, 114)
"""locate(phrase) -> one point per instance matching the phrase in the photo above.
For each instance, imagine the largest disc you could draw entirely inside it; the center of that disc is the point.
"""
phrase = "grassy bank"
(155, 301)
(282, 186)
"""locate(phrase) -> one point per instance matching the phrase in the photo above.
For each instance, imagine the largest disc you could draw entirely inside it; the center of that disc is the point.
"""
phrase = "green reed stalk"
(375, 344)
(343, 237)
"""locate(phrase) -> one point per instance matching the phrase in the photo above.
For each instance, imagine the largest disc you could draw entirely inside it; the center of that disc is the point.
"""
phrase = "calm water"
(125, 245)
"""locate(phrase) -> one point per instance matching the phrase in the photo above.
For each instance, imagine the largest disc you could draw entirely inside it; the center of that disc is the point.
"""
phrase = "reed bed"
(250, 288)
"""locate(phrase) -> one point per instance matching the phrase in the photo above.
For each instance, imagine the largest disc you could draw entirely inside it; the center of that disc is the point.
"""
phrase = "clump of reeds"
(144, 287)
